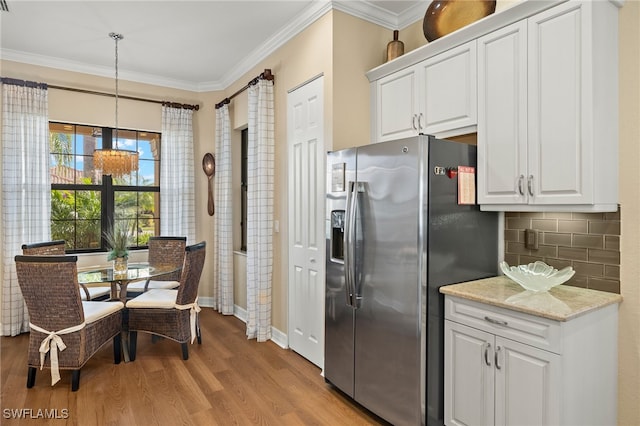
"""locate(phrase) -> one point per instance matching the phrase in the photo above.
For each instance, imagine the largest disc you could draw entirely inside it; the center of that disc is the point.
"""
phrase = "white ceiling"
(193, 45)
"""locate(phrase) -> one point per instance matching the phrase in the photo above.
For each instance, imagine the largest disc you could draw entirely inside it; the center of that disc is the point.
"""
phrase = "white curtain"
(260, 210)
(223, 218)
(177, 200)
(26, 188)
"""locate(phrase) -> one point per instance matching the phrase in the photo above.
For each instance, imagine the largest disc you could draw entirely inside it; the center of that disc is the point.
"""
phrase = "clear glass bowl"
(537, 276)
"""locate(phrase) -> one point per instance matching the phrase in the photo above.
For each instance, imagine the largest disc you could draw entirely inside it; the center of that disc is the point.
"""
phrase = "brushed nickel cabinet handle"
(497, 355)
(521, 184)
(530, 185)
(496, 321)
(486, 354)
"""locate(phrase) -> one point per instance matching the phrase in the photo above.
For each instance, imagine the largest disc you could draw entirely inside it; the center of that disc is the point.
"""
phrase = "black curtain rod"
(266, 75)
(132, 98)
(17, 82)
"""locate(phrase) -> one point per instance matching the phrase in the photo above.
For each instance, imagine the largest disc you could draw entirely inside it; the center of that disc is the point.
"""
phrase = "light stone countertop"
(561, 303)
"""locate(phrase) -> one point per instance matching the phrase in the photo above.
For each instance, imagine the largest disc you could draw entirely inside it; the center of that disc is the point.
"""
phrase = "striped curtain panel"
(26, 188)
(260, 167)
(223, 218)
(177, 182)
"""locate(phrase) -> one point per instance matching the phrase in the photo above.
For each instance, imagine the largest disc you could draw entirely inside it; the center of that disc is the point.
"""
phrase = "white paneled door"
(306, 179)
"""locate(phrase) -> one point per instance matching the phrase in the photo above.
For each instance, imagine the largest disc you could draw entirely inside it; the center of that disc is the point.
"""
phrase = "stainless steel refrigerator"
(401, 222)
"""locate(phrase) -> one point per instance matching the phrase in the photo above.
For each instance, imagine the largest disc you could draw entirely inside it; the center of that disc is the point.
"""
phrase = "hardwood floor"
(228, 380)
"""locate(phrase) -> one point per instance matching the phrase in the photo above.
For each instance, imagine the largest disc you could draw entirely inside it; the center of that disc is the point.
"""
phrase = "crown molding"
(377, 15)
(81, 67)
(360, 9)
(311, 14)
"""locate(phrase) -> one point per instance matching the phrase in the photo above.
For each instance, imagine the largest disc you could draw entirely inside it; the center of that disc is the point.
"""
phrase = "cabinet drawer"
(524, 328)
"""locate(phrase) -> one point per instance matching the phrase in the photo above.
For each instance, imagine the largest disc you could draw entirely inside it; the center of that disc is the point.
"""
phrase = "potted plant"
(117, 239)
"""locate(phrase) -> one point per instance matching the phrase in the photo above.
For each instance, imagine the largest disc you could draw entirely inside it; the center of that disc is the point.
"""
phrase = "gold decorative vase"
(120, 266)
(395, 47)
(446, 16)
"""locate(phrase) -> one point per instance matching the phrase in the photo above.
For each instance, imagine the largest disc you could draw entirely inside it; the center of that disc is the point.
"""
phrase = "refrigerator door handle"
(349, 253)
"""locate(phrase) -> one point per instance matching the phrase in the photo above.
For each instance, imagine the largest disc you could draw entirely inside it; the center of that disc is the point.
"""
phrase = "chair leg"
(133, 339)
(198, 333)
(185, 351)
(31, 377)
(117, 348)
(75, 380)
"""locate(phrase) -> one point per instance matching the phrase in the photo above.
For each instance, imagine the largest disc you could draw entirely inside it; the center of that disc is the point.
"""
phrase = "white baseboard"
(277, 336)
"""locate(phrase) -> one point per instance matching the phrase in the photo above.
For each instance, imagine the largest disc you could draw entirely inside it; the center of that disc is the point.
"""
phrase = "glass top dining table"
(135, 272)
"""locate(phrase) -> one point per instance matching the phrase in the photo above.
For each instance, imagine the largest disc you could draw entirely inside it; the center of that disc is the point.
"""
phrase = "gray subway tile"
(518, 223)
(573, 253)
(516, 248)
(557, 215)
(587, 269)
(511, 235)
(588, 241)
(612, 242)
(602, 284)
(545, 224)
(545, 251)
(609, 228)
(587, 216)
(556, 238)
(604, 256)
(612, 271)
(512, 259)
(573, 226)
(558, 263)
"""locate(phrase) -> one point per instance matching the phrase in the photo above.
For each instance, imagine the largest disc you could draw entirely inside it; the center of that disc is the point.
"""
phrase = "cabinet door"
(468, 376)
(502, 116)
(560, 144)
(396, 106)
(527, 384)
(449, 95)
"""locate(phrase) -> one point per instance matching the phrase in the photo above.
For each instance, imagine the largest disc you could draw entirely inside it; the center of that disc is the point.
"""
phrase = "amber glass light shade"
(115, 162)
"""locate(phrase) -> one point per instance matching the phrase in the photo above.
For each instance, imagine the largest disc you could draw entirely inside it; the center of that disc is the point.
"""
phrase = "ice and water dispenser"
(337, 235)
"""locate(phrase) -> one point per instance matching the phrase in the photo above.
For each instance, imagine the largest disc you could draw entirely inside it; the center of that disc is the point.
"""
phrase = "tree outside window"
(84, 203)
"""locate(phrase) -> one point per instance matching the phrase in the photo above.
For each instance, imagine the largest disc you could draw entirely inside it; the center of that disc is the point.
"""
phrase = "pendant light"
(115, 162)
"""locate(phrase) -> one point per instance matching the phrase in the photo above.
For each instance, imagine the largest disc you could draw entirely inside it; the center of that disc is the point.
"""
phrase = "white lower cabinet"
(498, 381)
(504, 367)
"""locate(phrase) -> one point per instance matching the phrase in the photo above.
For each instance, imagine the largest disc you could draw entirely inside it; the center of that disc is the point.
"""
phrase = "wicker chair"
(165, 251)
(170, 313)
(56, 248)
(49, 285)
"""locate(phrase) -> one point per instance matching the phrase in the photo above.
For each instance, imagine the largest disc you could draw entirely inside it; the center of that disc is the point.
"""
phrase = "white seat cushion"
(156, 298)
(94, 292)
(93, 311)
(138, 286)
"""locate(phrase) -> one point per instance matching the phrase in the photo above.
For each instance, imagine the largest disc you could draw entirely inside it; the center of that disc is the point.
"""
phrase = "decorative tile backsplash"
(589, 242)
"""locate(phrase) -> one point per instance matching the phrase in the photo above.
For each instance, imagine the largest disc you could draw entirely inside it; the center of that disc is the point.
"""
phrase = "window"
(84, 203)
(243, 188)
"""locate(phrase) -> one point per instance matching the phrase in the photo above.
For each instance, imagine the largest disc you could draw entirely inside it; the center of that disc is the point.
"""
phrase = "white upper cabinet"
(396, 105)
(448, 95)
(502, 114)
(436, 96)
(548, 111)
